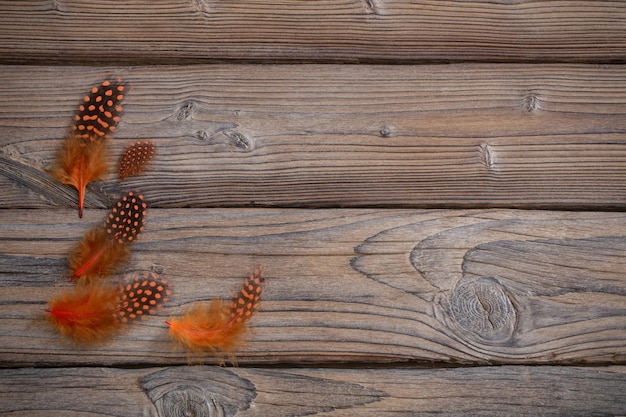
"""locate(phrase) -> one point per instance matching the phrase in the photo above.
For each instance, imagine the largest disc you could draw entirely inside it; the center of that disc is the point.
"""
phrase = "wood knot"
(188, 401)
(531, 102)
(482, 310)
(202, 135)
(386, 132)
(198, 391)
(185, 112)
(239, 140)
(486, 156)
(371, 7)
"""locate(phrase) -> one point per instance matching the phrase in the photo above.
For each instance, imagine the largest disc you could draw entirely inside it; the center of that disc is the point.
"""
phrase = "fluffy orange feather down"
(105, 247)
(105, 255)
(219, 327)
(79, 163)
(86, 312)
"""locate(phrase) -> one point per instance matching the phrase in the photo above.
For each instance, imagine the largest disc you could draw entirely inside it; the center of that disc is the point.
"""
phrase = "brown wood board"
(454, 136)
(345, 286)
(401, 31)
(384, 181)
(245, 392)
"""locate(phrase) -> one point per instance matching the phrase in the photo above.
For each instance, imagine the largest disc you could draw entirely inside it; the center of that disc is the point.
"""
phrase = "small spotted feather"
(135, 159)
(142, 294)
(99, 112)
(127, 218)
(246, 301)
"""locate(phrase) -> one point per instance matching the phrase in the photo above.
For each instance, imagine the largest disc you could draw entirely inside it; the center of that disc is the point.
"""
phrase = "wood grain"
(377, 197)
(246, 392)
(349, 286)
(399, 31)
(455, 136)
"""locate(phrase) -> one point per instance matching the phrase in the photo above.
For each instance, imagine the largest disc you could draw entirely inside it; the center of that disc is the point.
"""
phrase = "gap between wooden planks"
(346, 286)
(446, 136)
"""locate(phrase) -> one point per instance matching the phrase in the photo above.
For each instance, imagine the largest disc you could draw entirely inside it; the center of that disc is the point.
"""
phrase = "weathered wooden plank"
(178, 31)
(517, 136)
(346, 285)
(211, 391)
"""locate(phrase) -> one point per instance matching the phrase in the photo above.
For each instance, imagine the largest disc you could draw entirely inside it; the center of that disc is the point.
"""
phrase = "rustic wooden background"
(435, 188)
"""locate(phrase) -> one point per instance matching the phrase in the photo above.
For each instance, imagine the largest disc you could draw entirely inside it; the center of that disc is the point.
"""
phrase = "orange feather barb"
(81, 160)
(105, 247)
(135, 159)
(91, 313)
(219, 327)
(86, 313)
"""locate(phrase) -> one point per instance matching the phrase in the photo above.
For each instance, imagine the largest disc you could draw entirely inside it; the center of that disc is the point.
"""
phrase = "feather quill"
(219, 327)
(106, 247)
(81, 159)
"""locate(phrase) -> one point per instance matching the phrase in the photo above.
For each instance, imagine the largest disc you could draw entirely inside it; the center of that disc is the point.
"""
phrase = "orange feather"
(79, 163)
(135, 159)
(86, 313)
(99, 112)
(92, 312)
(219, 327)
(105, 247)
(97, 256)
(81, 160)
(142, 294)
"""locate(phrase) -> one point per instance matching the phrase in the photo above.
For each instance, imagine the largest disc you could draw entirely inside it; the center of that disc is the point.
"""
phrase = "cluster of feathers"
(101, 303)
(82, 158)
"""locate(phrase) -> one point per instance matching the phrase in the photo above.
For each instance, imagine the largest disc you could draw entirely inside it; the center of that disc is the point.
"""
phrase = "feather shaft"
(97, 256)
(92, 260)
